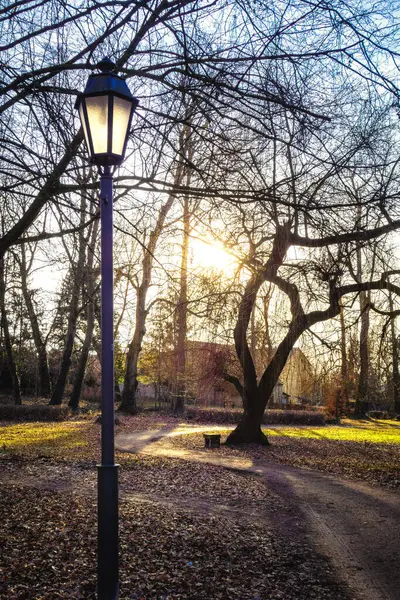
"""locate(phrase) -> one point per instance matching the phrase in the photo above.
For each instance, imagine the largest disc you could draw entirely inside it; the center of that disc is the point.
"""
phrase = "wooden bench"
(212, 440)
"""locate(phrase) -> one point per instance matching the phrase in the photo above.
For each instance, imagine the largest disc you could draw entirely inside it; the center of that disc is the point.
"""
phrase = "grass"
(359, 450)
(368, 450)
(374, 432)
(74, 441)
(68, 439)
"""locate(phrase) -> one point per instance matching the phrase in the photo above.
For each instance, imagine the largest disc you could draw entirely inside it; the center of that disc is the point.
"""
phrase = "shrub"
(213, 415)
(271, 417)
(331, 419)
(33, 412)
(91, 394)
(293, 417)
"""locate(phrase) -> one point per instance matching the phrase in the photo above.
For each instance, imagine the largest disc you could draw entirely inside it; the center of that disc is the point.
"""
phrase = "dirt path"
(355, 524)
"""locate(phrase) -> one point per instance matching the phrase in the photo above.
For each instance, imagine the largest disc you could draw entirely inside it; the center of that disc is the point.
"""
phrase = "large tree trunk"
(80, 373)
(249, 428)
(248, 431)
(43, 367)
(6, 333)
(241, 345)
(256, 396)
(59, 388)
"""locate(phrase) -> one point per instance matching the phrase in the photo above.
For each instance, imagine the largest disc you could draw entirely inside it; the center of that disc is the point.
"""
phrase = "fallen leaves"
(49, 546)
(377, 463)
(361, 451)
(188, 530)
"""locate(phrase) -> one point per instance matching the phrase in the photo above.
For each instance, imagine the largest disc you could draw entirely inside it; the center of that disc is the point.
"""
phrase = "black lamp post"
(106, 108)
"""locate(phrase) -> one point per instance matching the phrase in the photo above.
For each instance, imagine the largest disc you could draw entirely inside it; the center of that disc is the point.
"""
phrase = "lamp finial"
(106, 65)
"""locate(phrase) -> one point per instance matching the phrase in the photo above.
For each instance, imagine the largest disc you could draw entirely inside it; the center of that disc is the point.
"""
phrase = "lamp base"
(108, 561)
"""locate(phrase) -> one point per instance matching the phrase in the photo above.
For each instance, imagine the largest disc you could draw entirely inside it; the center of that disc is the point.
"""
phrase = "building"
(205, 384)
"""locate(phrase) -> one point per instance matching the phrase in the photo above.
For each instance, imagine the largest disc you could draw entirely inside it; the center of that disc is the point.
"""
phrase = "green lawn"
(69, 439)
(376, 432)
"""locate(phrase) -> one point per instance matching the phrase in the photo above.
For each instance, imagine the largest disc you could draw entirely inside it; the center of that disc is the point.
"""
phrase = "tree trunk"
(395, 361)
(248, 431)
(361, 406)
(253, 339)
(362, 393)
(80, 373)
(363, 381)
(396, 379)
(43, 367)
(241, 345)
(256, 396)
(266, 351)
(6, 332)
(128, 403)
(59, 388)
(344, 369)
(179, 400)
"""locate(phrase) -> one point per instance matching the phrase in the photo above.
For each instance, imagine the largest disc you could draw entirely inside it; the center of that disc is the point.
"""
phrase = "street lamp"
(105, 109)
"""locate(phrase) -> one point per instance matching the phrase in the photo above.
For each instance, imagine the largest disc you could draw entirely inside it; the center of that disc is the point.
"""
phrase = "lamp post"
(105, 109)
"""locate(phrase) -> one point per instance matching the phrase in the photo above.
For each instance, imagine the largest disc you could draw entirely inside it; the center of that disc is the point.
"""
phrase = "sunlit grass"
(376, 432)
(66, 441)
(79, 440)
(50, 439)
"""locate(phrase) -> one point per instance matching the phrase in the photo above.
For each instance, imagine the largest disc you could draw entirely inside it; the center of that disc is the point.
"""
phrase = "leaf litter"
(187, 530)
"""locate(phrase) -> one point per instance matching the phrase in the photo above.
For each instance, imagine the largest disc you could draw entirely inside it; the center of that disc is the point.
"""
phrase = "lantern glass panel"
(97, 110)
(83, 121)
(122, 113)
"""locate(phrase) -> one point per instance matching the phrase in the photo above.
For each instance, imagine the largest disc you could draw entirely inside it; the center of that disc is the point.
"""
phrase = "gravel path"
(355, 524)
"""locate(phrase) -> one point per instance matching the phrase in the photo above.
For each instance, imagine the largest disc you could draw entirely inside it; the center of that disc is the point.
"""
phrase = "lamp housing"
(105, 109)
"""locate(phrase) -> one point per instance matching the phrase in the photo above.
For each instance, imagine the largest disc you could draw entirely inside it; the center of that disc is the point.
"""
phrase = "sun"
(211, 255)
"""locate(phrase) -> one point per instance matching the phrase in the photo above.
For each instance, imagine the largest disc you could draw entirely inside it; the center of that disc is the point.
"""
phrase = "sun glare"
(211, 256)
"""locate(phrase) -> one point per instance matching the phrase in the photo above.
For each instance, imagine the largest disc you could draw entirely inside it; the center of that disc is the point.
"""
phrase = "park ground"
(314, 515)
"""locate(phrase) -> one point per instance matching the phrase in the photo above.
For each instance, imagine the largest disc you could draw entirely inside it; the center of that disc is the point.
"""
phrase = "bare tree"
(89, 298)
(77, 267)
(294, 220)
(7, 337)
(38, 338)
